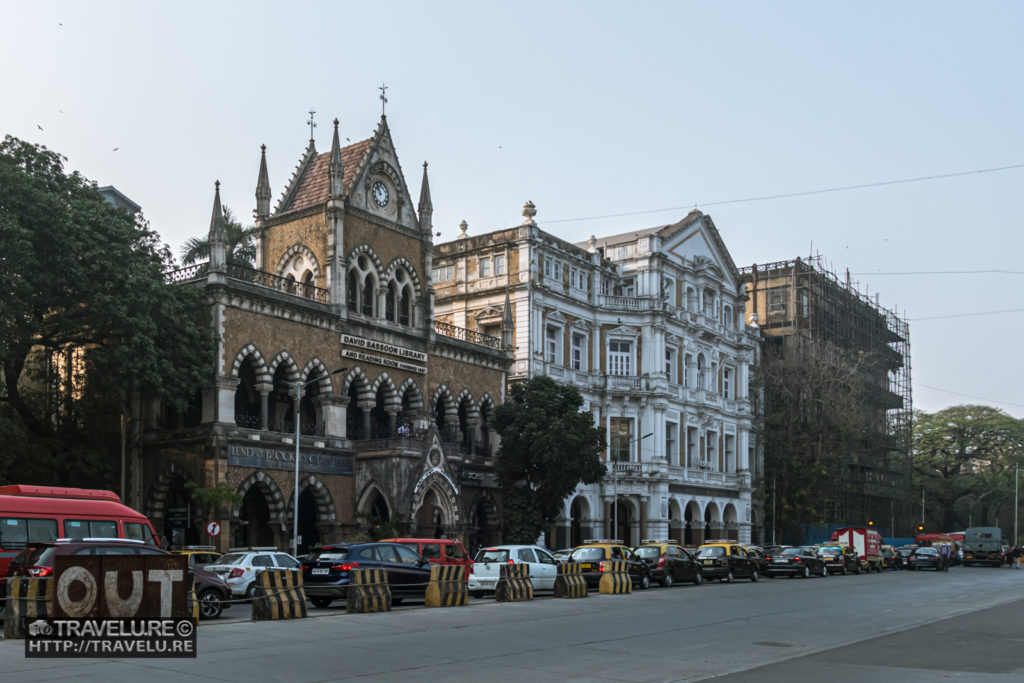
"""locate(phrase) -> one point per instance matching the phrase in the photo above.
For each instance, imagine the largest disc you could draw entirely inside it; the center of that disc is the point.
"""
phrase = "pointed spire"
(507, 325)
(336, 167)
(426, 207)
(218, 237)
(263, 187)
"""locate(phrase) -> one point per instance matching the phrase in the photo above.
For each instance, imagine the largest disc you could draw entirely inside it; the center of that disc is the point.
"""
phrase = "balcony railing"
(471, 336)
(251, 275)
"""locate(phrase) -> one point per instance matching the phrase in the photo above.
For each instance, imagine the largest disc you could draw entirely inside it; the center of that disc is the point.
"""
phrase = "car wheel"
(824, 571)
(666, 581)
(698, 578)
(210, 605)
(857, 571)
(807, 572)
(477, 594)
(250, 592)
(754, 577)
(729, 578)
(645, 581)
(320, 602)
(844, 570)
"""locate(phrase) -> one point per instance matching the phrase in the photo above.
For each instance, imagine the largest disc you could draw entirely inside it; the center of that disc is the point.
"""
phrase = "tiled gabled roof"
(312, 186)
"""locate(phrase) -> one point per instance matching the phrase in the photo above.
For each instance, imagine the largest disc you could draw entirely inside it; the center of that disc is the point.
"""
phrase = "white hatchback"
(488, 561)
(240, 566)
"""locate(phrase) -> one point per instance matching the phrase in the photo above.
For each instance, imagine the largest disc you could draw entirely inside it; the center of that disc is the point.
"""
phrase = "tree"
(548, 446)
(964, 462)
(87, 322)
(241, 244)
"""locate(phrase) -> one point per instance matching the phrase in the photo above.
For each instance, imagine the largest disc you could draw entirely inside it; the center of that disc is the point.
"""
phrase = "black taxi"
(593, 557)
(726, 561)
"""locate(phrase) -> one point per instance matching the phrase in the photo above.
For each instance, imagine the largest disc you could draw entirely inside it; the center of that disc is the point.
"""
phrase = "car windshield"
(492, 555)
(831, 552)
(232, 558)
(711, 551)
(648, 552)
(328, 554)
(792, 551)
(926, 551)
(587, 554)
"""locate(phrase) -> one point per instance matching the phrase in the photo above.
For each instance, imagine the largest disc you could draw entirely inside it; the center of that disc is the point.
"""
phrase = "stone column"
(392, 412)
(644, 501)
(609, 532)
(366, 407)
(224, 388)
(264, 388)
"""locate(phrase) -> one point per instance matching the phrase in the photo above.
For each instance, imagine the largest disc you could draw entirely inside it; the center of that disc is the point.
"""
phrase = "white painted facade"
(649, 326)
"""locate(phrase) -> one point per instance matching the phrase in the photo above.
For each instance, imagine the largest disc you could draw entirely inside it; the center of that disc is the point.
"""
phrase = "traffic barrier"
(368, 591)
(447, 587)
(193, 602)
(615, 579)
(514, 583)
(26, 599)
(279, 594)
(569, 583)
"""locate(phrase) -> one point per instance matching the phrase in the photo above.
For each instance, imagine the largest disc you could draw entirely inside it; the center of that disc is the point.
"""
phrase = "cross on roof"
(383, 97)
(312, 125)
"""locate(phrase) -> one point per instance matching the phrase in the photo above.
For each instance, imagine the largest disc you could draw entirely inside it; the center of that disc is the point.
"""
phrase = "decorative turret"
(218, 236)
(426, 208)
(263, 187)
(336, 168)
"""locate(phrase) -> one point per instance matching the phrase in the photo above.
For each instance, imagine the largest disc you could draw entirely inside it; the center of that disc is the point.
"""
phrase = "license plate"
(586, 566)
(781, 561)
(709, 562)
(321, 572)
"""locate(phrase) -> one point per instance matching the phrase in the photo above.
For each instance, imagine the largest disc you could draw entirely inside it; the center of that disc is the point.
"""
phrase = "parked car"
(240, 566)
(797, 561)
(726, 561)
(437, 550)
(326, 570)
(198, 555)
(890, 558)
(211, 591)
(840, 559)
(925, 558)
(670, 563)
(487, 567)
(905, 551)
(593, 555)
(562, 554)
(759, 556)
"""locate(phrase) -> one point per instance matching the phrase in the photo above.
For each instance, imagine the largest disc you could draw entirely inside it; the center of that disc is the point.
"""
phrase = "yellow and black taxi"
(198, 555)
(669, 562)
(726, 561)
(594, 558)
(840, 559)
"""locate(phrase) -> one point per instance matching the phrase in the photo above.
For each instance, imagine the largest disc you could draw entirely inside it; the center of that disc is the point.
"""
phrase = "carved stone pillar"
(264, 388)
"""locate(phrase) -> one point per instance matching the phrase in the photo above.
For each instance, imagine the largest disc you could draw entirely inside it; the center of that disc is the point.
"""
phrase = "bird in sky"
(39, 127)
(115, 149)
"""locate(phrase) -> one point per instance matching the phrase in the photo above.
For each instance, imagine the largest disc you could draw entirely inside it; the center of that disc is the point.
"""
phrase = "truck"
(865, 541)
(983, 545)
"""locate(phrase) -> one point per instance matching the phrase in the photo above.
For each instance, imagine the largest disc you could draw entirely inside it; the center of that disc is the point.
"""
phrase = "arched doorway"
(624, 520)
(578, 511)
(179, 515)
(729, 522)
(309, 535)
(430, 518)
(355, 423)
(676, 528)
(254, 520)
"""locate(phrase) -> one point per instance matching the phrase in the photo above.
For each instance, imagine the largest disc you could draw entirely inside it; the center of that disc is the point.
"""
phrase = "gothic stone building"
(649, 326)
(336, 315)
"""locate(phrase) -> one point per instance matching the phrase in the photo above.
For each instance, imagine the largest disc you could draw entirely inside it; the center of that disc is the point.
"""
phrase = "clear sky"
(609, 116)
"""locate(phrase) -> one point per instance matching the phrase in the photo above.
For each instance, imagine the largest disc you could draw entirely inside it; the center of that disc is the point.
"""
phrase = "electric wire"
(979, 398)
(790, 195)
(966, 315)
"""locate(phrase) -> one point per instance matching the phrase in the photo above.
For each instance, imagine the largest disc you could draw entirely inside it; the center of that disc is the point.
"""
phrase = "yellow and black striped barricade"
(569, 583)
(368, 591)
(615, 579)
(447, 587)
(514, 583)
(193, 604)
(27, 599)
(279, 595)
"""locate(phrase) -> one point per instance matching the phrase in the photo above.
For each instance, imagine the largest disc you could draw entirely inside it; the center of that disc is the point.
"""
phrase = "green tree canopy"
(86, 320)
(241, 244)
(964, 462)
(547, 447)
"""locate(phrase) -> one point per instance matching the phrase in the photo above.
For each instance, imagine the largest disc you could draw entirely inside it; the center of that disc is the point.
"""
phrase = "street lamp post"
(615, 504)
(299, 386)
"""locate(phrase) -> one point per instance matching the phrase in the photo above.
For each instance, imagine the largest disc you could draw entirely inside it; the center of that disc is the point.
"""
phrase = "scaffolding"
(804, 302)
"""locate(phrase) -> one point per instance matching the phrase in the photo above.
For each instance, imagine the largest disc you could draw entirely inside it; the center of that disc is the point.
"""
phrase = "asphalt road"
(908, 626)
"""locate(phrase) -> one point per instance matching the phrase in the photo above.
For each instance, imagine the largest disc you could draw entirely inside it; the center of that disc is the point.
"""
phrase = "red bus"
(39, 514)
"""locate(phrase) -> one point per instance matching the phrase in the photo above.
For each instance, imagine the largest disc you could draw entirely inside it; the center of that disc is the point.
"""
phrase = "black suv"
(325, 571)
(211, 591)
(727, 561)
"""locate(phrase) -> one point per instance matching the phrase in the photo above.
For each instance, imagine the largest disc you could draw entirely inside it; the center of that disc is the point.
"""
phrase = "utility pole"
(1016, 499)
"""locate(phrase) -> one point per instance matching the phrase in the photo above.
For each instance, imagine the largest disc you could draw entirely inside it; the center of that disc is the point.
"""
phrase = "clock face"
(380, 193)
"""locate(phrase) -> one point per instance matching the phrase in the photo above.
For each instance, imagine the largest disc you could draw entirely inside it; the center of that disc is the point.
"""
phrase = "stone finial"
(592, 244)
(463, 227)
(529, 211)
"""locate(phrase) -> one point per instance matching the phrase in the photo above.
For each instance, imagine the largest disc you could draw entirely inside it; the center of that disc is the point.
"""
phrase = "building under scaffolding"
(803, 304)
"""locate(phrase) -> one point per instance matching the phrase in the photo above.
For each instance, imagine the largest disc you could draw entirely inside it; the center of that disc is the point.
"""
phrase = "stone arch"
(730, 521)
(579, 514)
(373, 490)
(485, 427)
(324, 501)
(385, 382)
(713, 520)
(361, 401)
(285, 358)
(296, 262)
(367, 250)
(256, 531)
(676, 522)
(250, 351)
(358, 377)
(411, 401)
(693, 524)
(414, 277)
(156, 501)
(445, 413)
(436, 493)
(323, 382)
(626, 517)
(270, 489)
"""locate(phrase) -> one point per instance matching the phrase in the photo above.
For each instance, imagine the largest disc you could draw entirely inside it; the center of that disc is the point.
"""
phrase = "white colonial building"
(649, 325)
